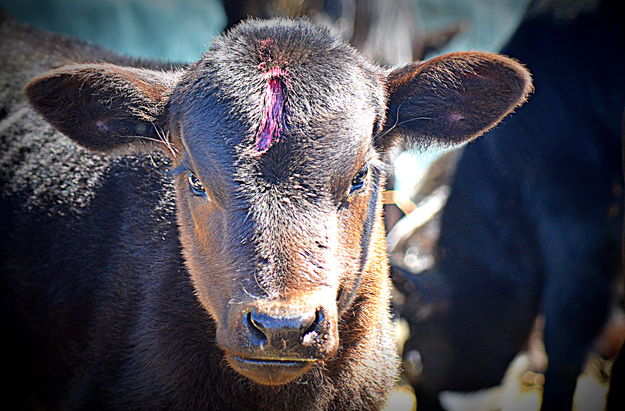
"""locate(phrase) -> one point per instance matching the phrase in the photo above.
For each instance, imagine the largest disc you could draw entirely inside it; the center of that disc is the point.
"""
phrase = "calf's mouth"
(269, 371)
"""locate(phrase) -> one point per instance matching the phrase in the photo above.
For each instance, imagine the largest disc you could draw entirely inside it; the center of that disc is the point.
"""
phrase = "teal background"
(174, 30)
(179, 30)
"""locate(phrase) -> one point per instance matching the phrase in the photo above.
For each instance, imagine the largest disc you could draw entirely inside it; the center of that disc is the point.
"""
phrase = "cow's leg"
(616, 396)
(576, 302)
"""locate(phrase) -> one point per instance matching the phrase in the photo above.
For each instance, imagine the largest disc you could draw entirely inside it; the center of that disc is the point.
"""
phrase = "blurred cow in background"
(533, 222)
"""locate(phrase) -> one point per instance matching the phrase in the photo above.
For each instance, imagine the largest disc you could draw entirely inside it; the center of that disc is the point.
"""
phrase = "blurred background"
(390, 32)
(179, 30)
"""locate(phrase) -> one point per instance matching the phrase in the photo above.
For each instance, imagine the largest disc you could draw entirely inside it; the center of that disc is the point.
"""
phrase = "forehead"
(320, 93)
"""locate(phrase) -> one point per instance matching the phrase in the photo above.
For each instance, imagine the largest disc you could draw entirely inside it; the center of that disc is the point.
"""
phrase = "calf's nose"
(285, 336)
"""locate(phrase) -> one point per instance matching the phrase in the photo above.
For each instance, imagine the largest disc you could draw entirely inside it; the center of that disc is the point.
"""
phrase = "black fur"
(533, 222)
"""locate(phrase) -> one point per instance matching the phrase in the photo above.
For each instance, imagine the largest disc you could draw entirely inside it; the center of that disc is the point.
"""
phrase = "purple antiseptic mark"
(272, 122)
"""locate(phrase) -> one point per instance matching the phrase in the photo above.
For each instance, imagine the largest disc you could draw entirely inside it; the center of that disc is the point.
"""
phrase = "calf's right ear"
(451, 99)
(103, 107)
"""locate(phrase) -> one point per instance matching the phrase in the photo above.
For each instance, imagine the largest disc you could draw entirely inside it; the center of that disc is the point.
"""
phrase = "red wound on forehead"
(272, 122)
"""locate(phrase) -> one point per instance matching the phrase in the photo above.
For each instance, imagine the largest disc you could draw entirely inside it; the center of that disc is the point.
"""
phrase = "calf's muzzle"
(274, 342)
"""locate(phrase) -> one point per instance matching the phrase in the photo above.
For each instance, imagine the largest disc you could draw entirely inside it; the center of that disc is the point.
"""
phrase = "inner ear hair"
(452, 99)
(104, 107)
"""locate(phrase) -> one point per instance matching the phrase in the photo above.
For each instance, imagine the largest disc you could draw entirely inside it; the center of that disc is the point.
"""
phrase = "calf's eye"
(359, 179)
(196, 186)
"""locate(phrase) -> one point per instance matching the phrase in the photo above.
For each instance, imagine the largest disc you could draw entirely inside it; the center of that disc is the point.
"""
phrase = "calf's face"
(277, 137)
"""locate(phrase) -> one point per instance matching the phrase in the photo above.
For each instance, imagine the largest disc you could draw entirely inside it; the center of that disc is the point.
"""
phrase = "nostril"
(284, 333)
(257, 325)
(314, 327)
(256, 328)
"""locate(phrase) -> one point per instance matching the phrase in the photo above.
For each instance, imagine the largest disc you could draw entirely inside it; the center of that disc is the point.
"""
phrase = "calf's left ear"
(451, 99)
(103, 107)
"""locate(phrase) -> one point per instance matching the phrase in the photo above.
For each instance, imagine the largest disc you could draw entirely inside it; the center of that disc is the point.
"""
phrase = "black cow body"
(533, 222)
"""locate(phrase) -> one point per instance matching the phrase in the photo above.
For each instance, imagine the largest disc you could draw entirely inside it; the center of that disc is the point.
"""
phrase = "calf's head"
(277, 138)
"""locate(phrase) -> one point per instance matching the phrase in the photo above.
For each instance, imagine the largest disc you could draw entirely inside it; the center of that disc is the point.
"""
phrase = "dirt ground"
(521, 390)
